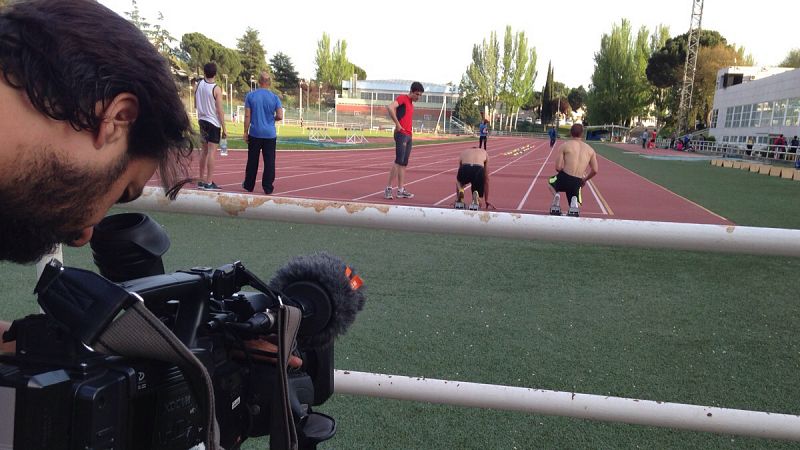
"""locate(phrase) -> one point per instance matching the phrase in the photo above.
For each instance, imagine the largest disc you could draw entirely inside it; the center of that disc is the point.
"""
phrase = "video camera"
(59, 392)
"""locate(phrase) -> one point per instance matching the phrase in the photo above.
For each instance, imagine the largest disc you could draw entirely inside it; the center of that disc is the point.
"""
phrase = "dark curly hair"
(71, 55)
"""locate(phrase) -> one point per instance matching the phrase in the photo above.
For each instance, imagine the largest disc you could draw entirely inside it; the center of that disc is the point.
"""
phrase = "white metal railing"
(763, 152)
(570, 404)
(630, 233)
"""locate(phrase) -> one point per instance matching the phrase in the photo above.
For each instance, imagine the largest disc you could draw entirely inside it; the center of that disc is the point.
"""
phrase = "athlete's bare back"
(574, 157)
(474, 156)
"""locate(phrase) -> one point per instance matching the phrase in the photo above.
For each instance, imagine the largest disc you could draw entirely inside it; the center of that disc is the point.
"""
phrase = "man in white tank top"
(208, 99)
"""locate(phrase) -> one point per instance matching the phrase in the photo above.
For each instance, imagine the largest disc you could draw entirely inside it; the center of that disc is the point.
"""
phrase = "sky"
(431, 41)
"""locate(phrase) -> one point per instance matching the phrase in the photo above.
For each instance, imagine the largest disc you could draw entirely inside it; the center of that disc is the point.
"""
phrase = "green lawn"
(675, 326)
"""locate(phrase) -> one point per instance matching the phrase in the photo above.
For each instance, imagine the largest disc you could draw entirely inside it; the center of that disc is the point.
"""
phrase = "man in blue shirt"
(262, 108)
(484, 133)
(552, 133)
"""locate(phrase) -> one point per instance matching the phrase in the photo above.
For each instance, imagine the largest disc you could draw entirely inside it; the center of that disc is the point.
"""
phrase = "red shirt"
(405, 112)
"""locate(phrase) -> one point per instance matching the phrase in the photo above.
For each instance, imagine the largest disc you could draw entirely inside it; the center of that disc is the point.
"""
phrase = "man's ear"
(118, 117)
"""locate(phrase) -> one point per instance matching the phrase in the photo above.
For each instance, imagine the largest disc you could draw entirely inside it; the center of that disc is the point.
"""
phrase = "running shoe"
(201, 185)
(387, 193)
(402, 193)
(475, 205)
(573, 208)
(212, 187)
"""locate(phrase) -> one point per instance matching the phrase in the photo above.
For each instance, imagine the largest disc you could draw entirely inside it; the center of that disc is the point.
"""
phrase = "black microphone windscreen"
(346, 297)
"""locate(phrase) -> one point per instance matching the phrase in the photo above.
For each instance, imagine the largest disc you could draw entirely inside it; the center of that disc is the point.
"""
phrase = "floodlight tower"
(689, 69)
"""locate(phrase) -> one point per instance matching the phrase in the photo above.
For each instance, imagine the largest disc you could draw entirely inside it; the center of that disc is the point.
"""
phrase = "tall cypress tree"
(548, 96)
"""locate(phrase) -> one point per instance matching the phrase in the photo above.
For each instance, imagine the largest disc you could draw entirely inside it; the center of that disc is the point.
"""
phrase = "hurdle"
(319, 134)
(625, 233)
(355, 135)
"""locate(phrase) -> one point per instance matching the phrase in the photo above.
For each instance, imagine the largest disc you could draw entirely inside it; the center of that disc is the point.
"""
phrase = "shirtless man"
(473, 169)
(572, 160)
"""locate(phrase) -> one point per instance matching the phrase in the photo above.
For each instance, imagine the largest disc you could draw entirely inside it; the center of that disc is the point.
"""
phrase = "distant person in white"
(211, 118)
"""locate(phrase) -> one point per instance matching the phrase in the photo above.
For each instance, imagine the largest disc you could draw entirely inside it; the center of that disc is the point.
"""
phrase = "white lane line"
(491, 173)
(525, 197)
(597, 199)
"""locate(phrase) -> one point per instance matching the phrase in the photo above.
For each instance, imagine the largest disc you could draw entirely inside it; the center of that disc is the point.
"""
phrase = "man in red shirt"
(401, 111)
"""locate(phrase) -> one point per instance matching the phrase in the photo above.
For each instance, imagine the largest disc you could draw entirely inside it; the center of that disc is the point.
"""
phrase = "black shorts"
(562, 182)
(209, 132)
(472, 174)
(402, 148)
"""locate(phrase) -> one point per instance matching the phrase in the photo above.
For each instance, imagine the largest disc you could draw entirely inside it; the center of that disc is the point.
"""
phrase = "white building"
(757, 103)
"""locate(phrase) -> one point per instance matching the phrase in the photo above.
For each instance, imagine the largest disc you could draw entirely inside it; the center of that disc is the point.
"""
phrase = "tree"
(341, 67)
(164, 42)
(659, 96)
(792, 59)
(159, 36)
(577, 98)
(286, 78)
(500, 84)
(518, 73)
(201, 50)
(467, 110)
(666, 67)
(332, 64)
(482, 79)
(548, 112)
(362, 74)
(135, 17)
(253, 58)
(619, 88)
(323, 58)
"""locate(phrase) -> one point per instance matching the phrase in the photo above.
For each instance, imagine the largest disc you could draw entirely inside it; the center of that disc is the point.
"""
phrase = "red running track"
(519, 169)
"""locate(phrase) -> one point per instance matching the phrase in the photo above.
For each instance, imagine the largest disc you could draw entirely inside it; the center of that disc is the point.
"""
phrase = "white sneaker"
(555, 207)
(475, 205)
(403, 193)
(387, 193)
(573, 207)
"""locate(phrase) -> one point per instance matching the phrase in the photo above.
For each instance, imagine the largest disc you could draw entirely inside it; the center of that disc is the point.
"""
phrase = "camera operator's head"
(88, 111)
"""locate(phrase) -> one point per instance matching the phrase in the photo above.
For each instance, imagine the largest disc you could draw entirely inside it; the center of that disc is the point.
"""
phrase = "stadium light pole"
(225, 75)
(319, 100)
(300, 87)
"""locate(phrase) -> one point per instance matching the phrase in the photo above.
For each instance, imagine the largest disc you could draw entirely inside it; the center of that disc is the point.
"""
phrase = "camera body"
(57, 393)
